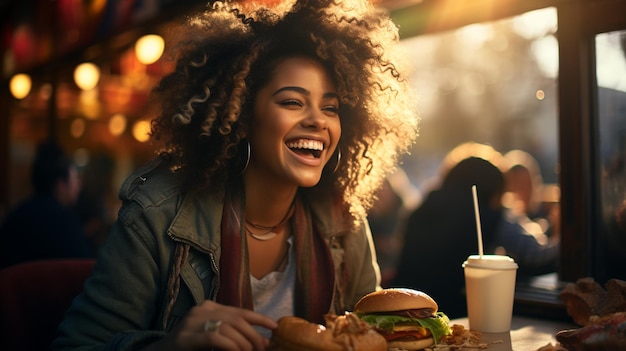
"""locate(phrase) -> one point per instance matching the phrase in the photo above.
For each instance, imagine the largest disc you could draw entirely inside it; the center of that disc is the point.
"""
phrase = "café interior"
(544, 76)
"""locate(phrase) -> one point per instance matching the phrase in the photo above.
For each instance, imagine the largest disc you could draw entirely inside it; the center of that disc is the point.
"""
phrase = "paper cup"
(490, 290)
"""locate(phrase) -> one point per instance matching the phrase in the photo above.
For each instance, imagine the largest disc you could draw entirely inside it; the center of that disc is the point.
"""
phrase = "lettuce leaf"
(438, 326)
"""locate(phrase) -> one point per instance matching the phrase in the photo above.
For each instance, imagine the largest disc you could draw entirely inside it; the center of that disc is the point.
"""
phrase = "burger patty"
(417, 313)
(414, 333)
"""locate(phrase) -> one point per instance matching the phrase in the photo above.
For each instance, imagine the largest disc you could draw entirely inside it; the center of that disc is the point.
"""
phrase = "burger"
(341, 333)
(408, 319)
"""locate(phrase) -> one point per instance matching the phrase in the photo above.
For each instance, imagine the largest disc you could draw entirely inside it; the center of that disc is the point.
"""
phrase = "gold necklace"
(270, 231)
(271, 234)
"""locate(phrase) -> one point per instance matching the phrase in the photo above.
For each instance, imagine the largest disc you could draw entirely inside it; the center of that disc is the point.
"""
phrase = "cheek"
(268, 120)
(267, 136)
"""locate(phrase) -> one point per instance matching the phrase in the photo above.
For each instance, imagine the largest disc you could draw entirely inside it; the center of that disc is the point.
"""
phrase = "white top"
(273, 295)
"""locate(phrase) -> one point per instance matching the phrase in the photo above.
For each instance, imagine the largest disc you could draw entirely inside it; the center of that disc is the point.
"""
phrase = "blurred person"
(441, 233)
(614, 244)
(523, 199)
(94, 206)
(279, 124)
(527, 199)
(397, 198)
(523, 181)
(44, 226)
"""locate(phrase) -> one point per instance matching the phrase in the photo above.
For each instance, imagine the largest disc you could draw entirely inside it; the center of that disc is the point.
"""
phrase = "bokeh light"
(117, 124)
(86, 76)
(20, 85)
(77, 128)
(149, 48)
(140, 131)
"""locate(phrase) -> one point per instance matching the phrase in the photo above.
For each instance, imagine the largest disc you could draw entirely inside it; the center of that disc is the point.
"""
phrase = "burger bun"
(395, 299)
(411, 345)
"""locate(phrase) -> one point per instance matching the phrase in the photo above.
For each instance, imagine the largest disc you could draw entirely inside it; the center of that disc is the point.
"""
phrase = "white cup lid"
(490, 262)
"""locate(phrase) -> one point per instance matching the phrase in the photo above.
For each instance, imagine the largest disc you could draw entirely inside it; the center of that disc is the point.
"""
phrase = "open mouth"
(306, 147)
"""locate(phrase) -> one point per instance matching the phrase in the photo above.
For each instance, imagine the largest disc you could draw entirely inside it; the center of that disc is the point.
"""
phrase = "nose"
(316, 119)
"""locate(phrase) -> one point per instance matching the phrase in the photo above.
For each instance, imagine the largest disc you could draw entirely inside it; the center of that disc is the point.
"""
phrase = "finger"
(240, 320)
(234, 337)
(211, 325)
(234, 328)
(258, 319)
(239, 330)
(218, 310)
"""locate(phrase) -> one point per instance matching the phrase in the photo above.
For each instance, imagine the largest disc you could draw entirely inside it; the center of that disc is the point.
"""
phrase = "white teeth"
(306, 144)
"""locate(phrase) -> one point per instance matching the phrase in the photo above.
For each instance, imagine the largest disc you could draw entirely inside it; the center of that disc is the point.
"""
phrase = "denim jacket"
(124, 300)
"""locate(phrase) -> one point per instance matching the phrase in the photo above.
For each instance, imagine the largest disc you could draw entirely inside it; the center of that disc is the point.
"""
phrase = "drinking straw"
(478, 227)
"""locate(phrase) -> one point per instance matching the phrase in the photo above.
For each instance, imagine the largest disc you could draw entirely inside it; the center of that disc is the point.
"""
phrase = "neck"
(267, 206)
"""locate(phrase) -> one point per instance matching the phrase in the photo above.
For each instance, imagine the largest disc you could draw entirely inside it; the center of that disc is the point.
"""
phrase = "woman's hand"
(212, 325)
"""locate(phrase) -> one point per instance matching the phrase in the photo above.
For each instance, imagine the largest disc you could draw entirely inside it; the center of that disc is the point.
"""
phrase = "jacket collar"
(198, 221)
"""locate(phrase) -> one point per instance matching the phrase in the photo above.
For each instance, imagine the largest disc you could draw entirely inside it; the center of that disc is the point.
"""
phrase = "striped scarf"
(314, 265)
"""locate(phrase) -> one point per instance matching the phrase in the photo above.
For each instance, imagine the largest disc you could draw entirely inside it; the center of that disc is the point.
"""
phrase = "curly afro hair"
(227, 53)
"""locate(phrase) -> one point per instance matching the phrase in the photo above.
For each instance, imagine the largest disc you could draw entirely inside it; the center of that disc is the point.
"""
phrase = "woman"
(278, 126)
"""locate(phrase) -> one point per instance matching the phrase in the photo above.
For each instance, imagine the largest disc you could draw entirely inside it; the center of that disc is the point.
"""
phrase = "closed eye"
(332, 109)
(291, 102)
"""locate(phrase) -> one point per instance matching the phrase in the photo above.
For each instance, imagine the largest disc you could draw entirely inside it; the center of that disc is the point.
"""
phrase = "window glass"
(611, 78)
(492, 83)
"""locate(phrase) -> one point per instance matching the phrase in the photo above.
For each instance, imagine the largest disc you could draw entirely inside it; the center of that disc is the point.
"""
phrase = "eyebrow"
(304, 92)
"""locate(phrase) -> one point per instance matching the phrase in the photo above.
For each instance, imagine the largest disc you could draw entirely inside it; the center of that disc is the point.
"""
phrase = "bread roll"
(345, 333)
(587, 298)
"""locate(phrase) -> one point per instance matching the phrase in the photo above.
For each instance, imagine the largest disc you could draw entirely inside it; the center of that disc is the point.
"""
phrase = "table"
(527, 334)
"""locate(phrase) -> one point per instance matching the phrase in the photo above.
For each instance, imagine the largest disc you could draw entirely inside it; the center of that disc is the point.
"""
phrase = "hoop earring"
(337, 162)
(246, 161)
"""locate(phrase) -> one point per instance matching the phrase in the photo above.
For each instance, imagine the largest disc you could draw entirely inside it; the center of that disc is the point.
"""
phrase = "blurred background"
(86, 79)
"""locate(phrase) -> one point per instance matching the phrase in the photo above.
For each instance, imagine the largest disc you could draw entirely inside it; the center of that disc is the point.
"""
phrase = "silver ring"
(211, 325)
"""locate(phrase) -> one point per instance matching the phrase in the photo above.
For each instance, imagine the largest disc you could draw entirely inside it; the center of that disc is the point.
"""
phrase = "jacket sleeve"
(362, 268)
(117, 308)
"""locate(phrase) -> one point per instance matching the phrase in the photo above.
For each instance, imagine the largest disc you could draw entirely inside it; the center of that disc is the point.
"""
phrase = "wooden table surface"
(527, 334)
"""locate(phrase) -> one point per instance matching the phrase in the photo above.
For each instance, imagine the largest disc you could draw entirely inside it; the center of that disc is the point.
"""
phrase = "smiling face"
(295, 128)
